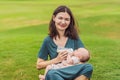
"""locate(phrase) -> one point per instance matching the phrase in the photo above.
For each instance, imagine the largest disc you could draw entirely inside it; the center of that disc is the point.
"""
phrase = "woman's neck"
(60, 40)
(61, 34)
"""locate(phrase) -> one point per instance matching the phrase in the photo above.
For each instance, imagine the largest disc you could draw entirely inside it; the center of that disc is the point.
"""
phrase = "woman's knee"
(89, 67)
(52, 75)
(51, 72)
(87, 71)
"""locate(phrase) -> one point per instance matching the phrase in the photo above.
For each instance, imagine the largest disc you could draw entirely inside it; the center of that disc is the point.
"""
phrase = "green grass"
(24, 25)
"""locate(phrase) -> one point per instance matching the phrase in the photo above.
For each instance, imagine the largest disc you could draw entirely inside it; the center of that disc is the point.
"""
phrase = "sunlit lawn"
(24, 25)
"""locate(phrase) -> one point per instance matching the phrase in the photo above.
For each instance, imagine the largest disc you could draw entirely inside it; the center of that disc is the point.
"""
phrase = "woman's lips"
(63, 25)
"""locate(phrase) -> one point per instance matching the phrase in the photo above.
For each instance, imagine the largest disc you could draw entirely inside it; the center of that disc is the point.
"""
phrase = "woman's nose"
(63, 21)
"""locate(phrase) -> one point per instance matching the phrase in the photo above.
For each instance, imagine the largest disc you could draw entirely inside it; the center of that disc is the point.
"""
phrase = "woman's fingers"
(63, 55)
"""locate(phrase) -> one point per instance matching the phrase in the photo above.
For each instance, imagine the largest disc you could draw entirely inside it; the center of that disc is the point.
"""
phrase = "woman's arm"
(42, 63)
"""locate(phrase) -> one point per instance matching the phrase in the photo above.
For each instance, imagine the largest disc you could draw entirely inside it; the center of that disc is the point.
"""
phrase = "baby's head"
(83, 54)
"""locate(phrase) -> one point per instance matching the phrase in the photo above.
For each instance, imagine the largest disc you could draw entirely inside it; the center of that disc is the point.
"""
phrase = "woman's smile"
(62, 25)
(62, 20)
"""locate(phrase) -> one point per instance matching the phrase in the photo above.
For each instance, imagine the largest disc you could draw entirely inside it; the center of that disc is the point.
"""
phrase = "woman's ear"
(53, 17)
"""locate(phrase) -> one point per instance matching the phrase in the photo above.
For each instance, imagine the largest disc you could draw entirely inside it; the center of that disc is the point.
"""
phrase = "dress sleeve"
(78, 44)
(43, 52)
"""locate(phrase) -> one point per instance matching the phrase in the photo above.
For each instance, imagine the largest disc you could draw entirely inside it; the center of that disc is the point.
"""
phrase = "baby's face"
(82, 54)
(77, 53)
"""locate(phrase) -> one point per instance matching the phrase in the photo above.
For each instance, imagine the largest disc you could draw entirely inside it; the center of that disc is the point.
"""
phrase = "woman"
(62, 33)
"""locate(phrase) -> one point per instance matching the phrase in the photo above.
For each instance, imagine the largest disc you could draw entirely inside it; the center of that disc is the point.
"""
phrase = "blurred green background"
(24, 25)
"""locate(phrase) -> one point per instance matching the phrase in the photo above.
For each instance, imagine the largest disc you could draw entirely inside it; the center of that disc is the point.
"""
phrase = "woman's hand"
(62, 56)
(42, 63)
(69, 59)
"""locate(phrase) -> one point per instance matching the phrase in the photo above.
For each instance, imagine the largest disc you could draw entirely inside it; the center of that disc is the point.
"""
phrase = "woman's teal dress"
(49, 48)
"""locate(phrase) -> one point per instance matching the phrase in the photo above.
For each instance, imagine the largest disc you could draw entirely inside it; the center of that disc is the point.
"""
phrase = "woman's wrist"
(55, 60)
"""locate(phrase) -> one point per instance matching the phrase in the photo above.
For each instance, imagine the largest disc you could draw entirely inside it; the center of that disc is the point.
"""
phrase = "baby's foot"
(42, 77)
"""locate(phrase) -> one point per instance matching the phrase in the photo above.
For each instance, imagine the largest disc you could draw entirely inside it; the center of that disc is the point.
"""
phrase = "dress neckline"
(58, 45)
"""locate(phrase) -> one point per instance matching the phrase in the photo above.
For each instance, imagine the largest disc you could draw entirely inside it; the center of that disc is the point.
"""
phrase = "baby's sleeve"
(75, 60)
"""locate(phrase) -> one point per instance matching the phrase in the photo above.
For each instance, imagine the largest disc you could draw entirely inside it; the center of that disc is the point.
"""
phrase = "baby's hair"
(86, 55)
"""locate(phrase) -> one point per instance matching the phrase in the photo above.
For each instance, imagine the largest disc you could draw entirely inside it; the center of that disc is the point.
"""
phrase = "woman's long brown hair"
(71, 31)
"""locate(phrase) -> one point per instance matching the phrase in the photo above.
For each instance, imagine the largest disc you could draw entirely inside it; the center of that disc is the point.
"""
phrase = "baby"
(78, 56)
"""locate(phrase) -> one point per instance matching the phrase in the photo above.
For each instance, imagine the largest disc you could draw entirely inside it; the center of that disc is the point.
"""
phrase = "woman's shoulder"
(74, 39)
(47, 39)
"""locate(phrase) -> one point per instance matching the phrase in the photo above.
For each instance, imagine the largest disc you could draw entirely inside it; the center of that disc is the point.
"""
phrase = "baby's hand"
(69, 60)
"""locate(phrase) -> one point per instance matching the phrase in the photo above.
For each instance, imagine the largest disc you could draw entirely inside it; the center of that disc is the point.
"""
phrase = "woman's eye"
(60, 18)
(67, 19)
